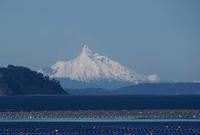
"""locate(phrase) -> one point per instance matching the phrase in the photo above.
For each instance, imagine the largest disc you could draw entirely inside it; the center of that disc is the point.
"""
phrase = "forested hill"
(15, 80)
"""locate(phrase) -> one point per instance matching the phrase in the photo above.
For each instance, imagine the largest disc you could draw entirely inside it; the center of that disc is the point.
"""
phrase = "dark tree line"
(18, 80)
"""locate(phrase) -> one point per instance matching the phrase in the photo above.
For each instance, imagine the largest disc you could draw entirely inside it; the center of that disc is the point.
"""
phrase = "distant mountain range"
(92, 70)
(170, 88)
(15, 80)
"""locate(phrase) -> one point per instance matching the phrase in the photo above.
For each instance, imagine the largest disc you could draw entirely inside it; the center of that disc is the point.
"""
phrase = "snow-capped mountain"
(90, 66)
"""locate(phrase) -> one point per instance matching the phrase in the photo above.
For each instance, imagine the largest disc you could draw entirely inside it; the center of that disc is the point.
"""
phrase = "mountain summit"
(90, 66)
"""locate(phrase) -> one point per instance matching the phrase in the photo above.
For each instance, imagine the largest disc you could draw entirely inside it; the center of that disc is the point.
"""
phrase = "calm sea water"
(82, 124)
(31, 103)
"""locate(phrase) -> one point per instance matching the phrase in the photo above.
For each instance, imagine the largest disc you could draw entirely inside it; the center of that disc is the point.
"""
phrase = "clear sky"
(149, 36)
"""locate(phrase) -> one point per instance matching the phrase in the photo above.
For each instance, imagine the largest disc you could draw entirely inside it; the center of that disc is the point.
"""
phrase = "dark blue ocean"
(28, 103)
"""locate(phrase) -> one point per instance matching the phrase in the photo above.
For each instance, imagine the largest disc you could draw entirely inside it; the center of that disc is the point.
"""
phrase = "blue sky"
(150, 36)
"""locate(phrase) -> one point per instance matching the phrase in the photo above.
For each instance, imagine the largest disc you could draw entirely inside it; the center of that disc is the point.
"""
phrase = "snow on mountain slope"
(90, 66)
